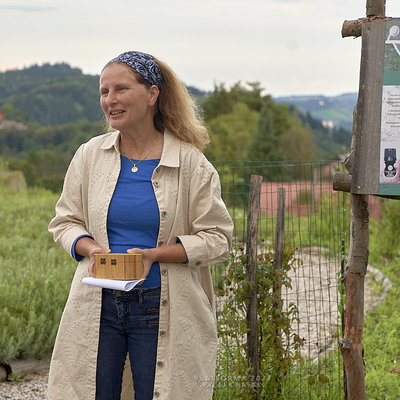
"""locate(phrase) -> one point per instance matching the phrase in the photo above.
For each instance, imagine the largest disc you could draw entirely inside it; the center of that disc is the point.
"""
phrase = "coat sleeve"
(210, 238)
(69, 221)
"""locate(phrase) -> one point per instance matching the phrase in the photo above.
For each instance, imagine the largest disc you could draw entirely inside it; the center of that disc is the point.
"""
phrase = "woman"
(144, 188)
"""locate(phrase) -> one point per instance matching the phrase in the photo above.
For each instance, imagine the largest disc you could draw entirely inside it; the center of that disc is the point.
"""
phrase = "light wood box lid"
(120, 266)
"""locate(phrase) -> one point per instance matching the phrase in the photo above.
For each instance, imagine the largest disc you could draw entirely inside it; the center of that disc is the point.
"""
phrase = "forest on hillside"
(59, 107)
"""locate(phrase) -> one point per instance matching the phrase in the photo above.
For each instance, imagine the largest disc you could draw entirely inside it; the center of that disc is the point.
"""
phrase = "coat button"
(163, 333)
(156, 184)
(198, 263)
(164, 272)
(164, 302)
(160, 364)
(156, 394)
(164, 214)
(160, 243)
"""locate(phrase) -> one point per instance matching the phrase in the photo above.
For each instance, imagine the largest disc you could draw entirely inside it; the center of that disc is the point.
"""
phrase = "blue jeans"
(129, 323)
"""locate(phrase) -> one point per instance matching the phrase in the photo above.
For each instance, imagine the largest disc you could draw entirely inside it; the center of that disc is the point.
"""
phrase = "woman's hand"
(172, 253)
(87, 247)
(92, 252)
(148, 258)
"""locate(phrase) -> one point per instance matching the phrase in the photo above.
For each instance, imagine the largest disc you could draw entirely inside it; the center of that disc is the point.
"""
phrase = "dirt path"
(315, 292)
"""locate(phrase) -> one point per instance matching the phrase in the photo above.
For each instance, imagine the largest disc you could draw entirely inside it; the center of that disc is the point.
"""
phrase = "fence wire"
(307, 364)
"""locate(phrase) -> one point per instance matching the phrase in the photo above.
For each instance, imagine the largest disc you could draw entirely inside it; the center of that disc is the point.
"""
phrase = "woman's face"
(126, 103)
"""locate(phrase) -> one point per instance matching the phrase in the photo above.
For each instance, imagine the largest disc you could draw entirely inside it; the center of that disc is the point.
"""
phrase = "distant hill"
(50, 95)
(335, 111)
(53, 95)
(15, 82)
(198, 93)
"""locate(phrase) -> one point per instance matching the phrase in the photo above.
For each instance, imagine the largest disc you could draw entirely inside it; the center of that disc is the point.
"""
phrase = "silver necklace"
(135, 164)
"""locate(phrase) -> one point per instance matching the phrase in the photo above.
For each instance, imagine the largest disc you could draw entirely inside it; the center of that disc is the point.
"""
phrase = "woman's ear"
(154, 93)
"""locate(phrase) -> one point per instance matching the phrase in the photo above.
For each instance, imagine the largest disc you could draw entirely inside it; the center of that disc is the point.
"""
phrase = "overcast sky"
(289, 46)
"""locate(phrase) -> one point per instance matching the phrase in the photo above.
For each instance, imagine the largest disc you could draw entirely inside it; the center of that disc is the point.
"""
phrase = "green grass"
(382, 324)
(382, 341)
(35, 275)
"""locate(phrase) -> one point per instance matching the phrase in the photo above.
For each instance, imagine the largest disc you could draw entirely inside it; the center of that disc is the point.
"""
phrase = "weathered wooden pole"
(278, 250)
(253, 350)
(376, 8)
(277, 283)
(351, 344)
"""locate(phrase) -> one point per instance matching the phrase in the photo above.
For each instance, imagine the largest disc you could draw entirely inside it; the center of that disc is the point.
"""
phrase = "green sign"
(390, 117)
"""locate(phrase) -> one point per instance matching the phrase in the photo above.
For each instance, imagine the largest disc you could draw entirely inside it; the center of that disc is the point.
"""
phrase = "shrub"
(278, 344)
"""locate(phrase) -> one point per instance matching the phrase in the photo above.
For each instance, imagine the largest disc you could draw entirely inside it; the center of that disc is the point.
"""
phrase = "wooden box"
(121, 266)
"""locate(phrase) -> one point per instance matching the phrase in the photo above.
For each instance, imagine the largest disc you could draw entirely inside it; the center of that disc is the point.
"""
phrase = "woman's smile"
(116, 114)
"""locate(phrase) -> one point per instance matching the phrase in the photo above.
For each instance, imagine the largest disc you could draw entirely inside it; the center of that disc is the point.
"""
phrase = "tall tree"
(266, 144)
(297, 142)
(231, 133)
(222, 101)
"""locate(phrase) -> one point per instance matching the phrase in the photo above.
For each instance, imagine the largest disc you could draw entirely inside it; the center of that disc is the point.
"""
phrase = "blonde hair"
(177, 111)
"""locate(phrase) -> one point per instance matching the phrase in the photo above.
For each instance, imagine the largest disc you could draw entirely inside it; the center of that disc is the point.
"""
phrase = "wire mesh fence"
(300, 301)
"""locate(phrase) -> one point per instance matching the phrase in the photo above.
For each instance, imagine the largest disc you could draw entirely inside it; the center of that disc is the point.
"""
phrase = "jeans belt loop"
(140, 296)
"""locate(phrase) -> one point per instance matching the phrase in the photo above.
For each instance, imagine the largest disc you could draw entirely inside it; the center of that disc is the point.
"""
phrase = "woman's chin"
(115, 124)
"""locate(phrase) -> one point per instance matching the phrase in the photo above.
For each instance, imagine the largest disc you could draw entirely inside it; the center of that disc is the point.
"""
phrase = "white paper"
(126, 286)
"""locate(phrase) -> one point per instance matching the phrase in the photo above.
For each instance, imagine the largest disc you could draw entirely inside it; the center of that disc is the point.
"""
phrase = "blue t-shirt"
(133, 217)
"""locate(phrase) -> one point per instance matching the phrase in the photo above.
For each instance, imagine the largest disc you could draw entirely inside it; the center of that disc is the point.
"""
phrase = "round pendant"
(134, 168)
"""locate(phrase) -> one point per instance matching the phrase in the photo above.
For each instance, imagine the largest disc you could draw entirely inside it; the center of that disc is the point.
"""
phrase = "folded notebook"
(111, 283)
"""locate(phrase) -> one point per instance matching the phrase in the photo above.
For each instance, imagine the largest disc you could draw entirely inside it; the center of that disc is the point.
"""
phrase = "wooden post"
(277, 284)
(342, 300)
(253, 350)
(351, 344)
(376, 8)
(279, 240)
(280, 228)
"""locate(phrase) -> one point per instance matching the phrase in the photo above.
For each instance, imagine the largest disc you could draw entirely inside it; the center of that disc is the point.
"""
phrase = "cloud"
(27, 8)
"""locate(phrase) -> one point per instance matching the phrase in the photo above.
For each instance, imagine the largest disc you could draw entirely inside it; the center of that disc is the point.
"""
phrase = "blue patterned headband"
(144, 64)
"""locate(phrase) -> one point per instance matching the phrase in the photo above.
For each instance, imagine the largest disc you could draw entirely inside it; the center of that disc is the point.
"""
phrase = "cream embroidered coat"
(187, 190)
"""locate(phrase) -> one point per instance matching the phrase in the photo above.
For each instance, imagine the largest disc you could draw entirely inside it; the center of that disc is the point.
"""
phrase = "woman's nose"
(111, 98)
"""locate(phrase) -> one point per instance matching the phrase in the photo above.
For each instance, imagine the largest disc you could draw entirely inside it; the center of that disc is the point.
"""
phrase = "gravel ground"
(33, 387)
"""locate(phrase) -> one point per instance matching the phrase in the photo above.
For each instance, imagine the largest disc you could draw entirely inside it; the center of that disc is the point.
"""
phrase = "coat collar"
(170, 153)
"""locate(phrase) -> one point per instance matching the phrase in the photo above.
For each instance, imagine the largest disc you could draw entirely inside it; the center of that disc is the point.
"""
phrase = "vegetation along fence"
(279, 327)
